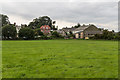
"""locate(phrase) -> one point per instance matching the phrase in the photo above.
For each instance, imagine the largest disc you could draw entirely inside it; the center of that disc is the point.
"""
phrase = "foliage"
(45, 37)
(55, 34)
(4, 20)
(71, 35)
(54, 28)
(9, 32)
(38, 32)
(117, 36)
(78, 25)
(107, 35)
(26, 33)
(54, 22)
(23, 25)
(45, 20)
(38, 22)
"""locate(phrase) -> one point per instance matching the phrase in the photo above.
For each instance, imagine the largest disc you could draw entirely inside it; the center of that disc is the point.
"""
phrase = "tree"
(53, 26)
(23, 25)
(38, 22)
(55, 34)
(117, 36)
(38, 32)
(26, 33)
(71, 33)
(54, 22)
(9, 32)
(78, 25)
(107, 35)
(4, 20)
(97, 36)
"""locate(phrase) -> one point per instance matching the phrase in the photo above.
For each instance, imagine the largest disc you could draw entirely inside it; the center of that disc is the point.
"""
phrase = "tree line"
(32, 30)
(107, 35)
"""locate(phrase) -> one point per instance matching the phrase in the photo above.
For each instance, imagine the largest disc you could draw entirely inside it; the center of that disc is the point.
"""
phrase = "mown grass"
(60, 59)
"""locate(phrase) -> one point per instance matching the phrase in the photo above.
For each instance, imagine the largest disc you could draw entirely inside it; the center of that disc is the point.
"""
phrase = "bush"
(56, 35)
(26, 34)
(107, 35)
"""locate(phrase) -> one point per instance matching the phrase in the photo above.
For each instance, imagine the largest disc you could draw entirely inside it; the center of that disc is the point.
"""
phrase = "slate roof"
(82, 28)
(75, 30)
(68, 29)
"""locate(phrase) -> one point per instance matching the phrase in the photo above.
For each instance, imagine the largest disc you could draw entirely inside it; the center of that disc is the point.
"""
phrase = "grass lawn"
(60, 59)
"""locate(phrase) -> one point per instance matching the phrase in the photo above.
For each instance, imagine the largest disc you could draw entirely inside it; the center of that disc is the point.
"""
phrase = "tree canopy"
(26, 33)
(38, 22)
(41, 21)
(78, 25)
(9, 32)
(4, 20)
(38, 32)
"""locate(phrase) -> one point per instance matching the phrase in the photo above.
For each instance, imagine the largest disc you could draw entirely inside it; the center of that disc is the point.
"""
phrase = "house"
(65, 31)
(86, 31)
(45, 29)
(83, 32)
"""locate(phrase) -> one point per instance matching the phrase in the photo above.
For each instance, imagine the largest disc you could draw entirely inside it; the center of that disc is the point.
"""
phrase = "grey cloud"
(74, 12)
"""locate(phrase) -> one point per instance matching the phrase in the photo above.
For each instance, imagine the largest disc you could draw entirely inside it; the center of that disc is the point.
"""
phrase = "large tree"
(4, 20)
(38, 22)
(26, 33)
(9, 32)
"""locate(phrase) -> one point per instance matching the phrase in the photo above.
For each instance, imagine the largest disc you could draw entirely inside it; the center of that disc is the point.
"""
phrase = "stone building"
(86, 32)
(65, 31)
(83, 32)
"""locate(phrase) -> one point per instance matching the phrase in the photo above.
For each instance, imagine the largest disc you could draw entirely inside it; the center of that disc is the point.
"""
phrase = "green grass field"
(60, 59)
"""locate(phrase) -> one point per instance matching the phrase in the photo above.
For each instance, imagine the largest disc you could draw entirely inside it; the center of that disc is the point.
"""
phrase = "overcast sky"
(103, 14)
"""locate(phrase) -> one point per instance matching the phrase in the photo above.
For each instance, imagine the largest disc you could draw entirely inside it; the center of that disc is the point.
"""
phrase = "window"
(46, 27)
(43, 27)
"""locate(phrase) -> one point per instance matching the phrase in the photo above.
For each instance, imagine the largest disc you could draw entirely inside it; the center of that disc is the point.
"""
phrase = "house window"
(43, 27)
(46, 27)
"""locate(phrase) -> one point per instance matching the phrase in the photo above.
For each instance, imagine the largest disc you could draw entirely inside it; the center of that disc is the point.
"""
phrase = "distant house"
(83, 32)
(45, 29)
(65, 31)
(86, 31)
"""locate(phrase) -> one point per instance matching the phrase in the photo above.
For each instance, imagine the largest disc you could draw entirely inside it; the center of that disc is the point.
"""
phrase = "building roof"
(82, 28)
(76, 30)
(68, 29)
